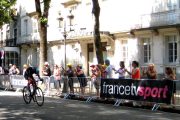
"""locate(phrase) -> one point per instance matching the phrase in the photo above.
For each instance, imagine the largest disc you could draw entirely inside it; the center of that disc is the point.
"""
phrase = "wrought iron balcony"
(77, 34)
(160, 19)
(8, 42)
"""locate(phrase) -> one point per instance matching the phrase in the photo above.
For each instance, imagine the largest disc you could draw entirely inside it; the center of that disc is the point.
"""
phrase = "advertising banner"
(159, 91)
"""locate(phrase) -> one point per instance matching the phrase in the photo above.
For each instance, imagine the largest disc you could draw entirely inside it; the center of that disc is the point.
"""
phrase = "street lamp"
(65, 36)
(62, 20)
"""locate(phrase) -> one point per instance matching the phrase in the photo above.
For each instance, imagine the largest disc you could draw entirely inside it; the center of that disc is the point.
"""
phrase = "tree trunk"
(43, 47)
(42, 27)
(97, 38)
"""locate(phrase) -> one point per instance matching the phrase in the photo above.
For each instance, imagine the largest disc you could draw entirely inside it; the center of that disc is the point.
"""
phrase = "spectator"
(103, 71)
(14, 70)
(135, 73)
(70, 74)
(150, 73)
(10, 65)
(108, 69)
(121, 71)
(82, 78)
(170, 75)
(57, 78)
(46, 71)
(6, 71)
(1, 70)
(96, 78)
(25, 66)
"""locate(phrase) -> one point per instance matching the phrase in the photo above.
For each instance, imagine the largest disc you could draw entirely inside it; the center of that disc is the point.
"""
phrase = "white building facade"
(142, 30)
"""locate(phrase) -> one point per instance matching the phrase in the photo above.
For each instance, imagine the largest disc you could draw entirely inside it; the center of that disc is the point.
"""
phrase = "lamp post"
(61, 19)
(65, 36)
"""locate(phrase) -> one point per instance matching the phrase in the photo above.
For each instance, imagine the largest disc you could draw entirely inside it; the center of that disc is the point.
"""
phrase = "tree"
(42, 9)
(6, 11)
(97, 38)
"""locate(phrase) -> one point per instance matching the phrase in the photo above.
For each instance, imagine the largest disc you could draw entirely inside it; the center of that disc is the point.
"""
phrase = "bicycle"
(32, 91)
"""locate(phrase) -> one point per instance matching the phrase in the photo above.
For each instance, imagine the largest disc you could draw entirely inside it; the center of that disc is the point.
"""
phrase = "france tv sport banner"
(159, 91)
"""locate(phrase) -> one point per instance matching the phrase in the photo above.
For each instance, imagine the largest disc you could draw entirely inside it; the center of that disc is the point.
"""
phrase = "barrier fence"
(5, 82)
(156, 92)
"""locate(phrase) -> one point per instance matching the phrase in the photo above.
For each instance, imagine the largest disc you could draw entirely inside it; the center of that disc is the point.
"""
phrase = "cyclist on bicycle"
(28, 75)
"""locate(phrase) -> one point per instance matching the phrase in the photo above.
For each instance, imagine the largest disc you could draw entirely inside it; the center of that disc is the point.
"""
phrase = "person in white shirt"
(109, 69)
(121, 71)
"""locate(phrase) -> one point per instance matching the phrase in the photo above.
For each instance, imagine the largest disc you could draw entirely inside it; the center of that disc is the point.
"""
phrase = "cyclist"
(28, 75)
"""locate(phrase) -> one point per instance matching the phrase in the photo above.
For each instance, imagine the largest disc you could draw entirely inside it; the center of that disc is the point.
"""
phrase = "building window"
(25, 27)
(147, 50)
(124, 50)
(60, 23)
(172, 48)
(1, 35)
(35, 27)
(11, 57)
(7, 32)
(15, 36)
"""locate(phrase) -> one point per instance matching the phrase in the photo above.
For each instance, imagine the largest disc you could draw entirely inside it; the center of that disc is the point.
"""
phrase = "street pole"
(65, 87)
(65, 36)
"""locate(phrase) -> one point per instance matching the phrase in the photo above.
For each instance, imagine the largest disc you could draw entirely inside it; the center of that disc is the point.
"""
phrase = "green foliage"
(6, 11)
(43, 20)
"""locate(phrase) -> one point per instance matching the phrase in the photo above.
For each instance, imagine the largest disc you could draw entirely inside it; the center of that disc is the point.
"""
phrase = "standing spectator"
(10, 65)
(135, 73)
(82, 78)
(170, 75)
(46, 70)
(70, 74)
(150, 73)
(25, 66)
(103, 71)
(14, 70)
(108, 69)
(1, 70)
(96, 78)
(121, 71)
(57, 79)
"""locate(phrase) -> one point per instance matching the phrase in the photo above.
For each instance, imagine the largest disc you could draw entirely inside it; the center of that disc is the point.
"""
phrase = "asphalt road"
(12, 107)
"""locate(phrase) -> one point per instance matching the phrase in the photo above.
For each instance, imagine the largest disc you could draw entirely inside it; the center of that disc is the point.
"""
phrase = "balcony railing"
(70, 2)
(8, 42)
(29, 39)
(159, 19)
(84, 34)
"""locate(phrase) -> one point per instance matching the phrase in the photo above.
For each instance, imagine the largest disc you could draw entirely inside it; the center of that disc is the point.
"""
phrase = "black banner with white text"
(159, 91)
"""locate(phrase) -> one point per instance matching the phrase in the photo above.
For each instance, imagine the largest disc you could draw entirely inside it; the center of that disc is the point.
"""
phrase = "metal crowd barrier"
(5, 82)
(18, 82)
(89, 88)
(177, 93)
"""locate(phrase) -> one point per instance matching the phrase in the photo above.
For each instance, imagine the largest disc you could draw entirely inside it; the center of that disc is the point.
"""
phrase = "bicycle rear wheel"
(26, 95)
(39, 96)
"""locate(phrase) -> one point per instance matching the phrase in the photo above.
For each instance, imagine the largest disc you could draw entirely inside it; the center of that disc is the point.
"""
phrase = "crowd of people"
(12, 70)
(96, 73)
(136, 73)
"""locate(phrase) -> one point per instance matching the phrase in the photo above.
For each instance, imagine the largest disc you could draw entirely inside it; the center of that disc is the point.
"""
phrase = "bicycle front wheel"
(26, 95)
(39, 96)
